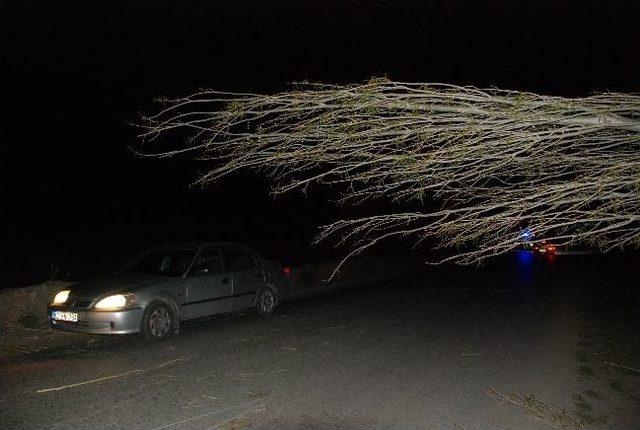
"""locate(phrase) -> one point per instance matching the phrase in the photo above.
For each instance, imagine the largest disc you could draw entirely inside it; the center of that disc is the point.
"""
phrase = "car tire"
(266, 302)
(158, 321)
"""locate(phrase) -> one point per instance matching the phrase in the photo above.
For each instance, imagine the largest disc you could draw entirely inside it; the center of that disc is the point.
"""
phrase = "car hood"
(115, 284)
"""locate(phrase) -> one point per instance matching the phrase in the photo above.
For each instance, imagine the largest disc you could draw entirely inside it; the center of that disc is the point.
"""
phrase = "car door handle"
(225, 281)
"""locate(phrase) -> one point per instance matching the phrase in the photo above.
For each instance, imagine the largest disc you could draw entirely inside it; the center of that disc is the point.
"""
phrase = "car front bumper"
(99, 322)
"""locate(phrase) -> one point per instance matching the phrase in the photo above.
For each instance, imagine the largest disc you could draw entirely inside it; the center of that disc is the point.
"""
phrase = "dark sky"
(73, 73)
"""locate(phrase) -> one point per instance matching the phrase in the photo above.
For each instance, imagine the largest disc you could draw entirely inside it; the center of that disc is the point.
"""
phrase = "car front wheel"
(158, 321)
(266, 302)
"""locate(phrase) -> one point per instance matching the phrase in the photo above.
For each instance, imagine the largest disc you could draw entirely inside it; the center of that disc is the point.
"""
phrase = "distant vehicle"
(543, 248)
(527, 237)
(167, 285)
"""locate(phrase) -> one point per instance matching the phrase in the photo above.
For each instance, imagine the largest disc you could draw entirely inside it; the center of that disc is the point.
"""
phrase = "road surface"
(518, 345)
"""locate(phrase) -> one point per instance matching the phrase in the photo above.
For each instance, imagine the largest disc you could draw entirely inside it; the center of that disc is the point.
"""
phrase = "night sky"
(74, 72)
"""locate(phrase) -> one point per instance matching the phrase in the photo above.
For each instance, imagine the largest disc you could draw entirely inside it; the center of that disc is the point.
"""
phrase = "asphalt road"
(519, 345)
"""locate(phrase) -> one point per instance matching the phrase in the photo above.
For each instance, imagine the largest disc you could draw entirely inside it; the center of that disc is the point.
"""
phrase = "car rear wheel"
(266, 302)
(158, 321)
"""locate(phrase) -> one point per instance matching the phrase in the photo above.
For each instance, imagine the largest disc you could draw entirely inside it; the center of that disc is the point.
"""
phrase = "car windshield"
(167, 262)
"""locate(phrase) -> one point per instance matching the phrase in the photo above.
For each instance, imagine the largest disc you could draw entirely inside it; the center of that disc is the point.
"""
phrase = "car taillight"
(286, 270)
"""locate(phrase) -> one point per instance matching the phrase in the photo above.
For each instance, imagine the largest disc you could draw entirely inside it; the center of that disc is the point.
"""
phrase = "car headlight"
(117, 301)
(61, 297)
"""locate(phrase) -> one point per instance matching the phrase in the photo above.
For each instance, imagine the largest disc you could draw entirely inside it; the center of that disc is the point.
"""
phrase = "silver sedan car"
(165, 286)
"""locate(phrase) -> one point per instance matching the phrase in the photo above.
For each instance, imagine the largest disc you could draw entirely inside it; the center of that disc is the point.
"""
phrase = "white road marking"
(93, 381)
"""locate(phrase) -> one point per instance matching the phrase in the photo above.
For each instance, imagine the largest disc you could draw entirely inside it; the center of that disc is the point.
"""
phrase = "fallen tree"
(494, 161)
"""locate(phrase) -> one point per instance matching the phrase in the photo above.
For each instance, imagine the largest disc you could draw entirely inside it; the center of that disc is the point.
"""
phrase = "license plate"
(64, 316)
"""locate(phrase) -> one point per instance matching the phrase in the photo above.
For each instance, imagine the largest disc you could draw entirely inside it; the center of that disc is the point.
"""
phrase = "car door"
(248, 276)
(209, 287)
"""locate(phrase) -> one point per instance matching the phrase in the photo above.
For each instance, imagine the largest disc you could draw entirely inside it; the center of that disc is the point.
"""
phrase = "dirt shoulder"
(24, 328)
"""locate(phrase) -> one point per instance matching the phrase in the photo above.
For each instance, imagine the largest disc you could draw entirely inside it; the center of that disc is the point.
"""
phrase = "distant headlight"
(61, 297)
(117, 301)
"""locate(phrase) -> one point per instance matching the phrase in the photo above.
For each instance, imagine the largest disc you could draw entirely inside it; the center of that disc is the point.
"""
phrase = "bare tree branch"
(494, 160)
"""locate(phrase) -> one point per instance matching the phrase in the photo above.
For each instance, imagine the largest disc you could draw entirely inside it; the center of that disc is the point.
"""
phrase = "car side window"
(209, 262)
(237, 260)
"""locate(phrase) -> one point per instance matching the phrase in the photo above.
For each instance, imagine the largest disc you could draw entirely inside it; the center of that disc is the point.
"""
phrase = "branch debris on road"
(93, 381)
(208, 414)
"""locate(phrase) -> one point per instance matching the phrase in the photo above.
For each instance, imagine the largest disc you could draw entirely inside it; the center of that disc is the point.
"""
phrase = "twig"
(208, 414)
(93, 381)
(621, 367)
